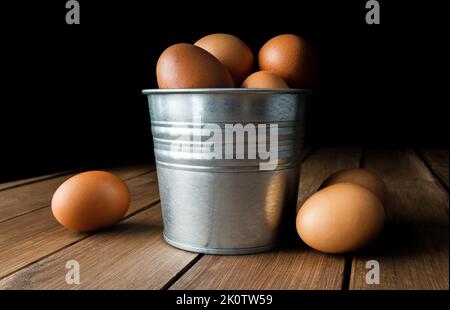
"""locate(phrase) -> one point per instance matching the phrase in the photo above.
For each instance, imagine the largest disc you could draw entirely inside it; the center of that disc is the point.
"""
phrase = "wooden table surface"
(412, 251)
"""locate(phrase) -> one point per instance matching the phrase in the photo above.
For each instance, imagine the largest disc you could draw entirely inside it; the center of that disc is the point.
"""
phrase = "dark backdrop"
(71, 93)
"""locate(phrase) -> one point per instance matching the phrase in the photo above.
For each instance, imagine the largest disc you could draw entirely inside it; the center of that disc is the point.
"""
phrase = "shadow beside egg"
(401, 238)
(134, 228)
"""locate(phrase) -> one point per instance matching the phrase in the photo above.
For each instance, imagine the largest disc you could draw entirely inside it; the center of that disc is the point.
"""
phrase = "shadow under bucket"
(228, 165)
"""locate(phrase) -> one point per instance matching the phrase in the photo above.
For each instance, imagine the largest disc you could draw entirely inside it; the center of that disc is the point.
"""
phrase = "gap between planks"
(30, 197)
(39, 178)
(209, 272)
(190, 262)
(35, 270)
(17, 183)
(437, 162)
(28, 238)
(412, 251)
(132, 255)
(65, 247)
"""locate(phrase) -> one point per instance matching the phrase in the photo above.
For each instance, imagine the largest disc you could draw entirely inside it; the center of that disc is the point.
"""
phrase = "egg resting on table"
(340, 218)
(90, 201)
(361, 177)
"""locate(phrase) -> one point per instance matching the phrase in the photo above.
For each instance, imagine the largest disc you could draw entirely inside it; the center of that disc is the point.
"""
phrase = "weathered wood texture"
(437, 160)
(22, 182)
(133, 255)
(29, 237)
(413, 250)
(20, 200)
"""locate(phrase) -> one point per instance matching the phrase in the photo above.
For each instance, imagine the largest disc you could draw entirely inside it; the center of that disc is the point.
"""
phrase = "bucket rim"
(227, 91)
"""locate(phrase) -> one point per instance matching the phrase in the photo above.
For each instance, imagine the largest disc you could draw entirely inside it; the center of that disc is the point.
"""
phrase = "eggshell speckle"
(264, 79)
(90, 201)
(363, 177)
(340, 218)
(291, 58)
(232, 52)
(189, 66)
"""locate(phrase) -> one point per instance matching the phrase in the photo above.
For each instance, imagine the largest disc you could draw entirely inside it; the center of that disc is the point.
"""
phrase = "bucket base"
(220, 251)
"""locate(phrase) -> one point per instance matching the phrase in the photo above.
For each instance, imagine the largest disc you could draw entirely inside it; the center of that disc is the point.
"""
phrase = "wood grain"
(295, 267)
(437, 160)
(21, 182)
(413, 250)
(131, 256)
(321, 164)
(29, 197)
(30, 237)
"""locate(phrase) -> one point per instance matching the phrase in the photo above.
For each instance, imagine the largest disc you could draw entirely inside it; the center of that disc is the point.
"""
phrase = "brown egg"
(90, 201)
(236, 56)
(340, 218)
(264, 79)
(361, 177)
(189, 66)
(291, 58)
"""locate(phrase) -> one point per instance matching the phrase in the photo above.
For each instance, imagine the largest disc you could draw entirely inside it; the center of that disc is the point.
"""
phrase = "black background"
(282, 299)
(71, 94)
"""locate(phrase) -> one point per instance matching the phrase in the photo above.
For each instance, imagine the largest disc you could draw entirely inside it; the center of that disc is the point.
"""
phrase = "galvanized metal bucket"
(226, 203)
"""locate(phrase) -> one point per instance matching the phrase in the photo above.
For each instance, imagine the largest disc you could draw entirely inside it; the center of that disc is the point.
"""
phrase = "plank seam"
(430, 168)
(349, 258)
(347, 272)
(308, 154)
(48, 205)
(41, 258)
(44, 178)
(181, 273)
(60, 174)
(153, 204)
(24, 213)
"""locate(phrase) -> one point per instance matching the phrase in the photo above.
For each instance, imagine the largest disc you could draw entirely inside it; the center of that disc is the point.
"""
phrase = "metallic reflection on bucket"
(226, 203)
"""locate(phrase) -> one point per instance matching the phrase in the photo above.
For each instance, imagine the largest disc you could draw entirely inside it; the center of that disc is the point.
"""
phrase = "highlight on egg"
(290, 57)
(340, 218)
(360, 176)
(232, 52)
(90, 201)
(188, 66)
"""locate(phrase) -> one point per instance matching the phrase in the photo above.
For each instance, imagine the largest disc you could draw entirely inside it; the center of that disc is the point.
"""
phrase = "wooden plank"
(28, 238)
(131, 256)
(27, 198)
(321, 164)
(282, 269)
(296, 267)
(21, 182)
(413, 250)
(126, 172)
(437, 160)
(306, 151)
